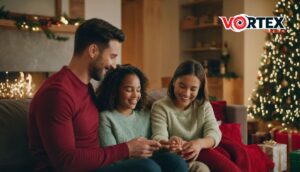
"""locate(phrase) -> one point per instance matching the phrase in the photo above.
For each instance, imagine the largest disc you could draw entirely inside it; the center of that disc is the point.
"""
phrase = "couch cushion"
(232, 131)
(154, 95)
(219, 108)
(14, 152)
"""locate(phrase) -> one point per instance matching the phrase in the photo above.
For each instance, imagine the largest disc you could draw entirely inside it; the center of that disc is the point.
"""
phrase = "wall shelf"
(70, 29)
(200, 33)
(201, 2)
(200, 27)
(191, 50)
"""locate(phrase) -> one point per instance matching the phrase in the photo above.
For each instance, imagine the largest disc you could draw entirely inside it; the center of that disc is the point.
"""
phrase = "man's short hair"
(96, 31)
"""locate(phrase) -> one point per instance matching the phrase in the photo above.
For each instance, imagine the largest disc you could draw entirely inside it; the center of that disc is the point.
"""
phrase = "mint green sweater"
(197, 121)
(116, 128)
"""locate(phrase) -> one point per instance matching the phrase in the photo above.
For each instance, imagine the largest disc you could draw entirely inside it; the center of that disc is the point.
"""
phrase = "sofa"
(14, 152)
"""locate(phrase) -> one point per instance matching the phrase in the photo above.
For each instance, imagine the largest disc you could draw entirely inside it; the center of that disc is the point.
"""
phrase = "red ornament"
(258, 77)
(49, 23)
(284, 49)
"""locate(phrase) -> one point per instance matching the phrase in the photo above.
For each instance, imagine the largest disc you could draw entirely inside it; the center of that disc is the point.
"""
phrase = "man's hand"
(141, 147)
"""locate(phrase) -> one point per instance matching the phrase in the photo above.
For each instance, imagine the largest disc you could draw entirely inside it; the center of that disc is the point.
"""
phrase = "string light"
(37, 24)
(17, 88)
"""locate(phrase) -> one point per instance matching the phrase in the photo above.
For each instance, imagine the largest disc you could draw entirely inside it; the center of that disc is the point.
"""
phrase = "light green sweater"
(116, 128)
(197, 121)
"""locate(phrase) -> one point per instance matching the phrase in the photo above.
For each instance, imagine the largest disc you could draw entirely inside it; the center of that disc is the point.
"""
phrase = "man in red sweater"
(63, 117)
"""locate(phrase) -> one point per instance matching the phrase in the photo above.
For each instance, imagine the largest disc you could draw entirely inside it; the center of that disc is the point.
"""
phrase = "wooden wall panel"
(132, 25)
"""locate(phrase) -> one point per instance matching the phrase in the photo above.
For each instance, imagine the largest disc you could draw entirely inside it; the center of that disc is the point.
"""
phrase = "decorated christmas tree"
(277, 96)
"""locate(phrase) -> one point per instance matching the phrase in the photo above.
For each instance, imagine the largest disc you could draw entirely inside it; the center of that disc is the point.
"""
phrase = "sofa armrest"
(237, 114)
(14, 151)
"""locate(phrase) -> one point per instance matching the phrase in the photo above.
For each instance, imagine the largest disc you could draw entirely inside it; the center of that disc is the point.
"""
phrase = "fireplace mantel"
(69, 29)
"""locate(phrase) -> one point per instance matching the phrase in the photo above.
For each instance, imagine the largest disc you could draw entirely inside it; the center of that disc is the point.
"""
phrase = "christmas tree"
(277, 96)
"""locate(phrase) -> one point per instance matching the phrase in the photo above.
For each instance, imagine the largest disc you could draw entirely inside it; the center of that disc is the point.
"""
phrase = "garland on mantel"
(35, 23)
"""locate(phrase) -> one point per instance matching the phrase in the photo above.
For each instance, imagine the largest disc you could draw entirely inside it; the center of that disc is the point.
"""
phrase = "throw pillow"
(219, 108)
(232, 131)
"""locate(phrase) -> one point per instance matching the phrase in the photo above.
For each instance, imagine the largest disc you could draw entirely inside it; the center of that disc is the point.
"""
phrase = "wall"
(235, 40)
(254, 42)
(109, 10)
(37, 7)
(153, 37)
(152, 62)
(31, 51)
(169, 37)
(246, 47)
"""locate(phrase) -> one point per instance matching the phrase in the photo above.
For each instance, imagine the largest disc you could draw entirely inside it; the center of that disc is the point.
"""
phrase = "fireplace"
(29, 56)
(17, 85)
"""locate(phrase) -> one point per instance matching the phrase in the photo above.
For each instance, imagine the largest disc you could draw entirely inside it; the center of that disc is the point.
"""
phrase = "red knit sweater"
(63, 127)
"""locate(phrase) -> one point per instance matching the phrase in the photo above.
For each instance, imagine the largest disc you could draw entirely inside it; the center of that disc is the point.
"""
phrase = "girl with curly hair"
(123, 117)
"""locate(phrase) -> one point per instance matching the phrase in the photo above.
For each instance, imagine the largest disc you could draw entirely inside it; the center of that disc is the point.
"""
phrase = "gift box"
(277, 152)
(260, 137)
(295, 161)
(290, 138)
(252, 128)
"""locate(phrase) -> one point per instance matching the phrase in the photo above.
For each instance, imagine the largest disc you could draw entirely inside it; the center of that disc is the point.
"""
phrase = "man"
(63, 117)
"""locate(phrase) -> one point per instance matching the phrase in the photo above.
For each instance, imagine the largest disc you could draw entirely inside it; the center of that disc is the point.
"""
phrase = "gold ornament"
(270, 142)
(280, 10)
(284, 83)
(290, 13)
(285, 22)
(288, 100)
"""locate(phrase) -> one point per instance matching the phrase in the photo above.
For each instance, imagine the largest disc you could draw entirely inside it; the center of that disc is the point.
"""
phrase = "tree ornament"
(258, 77)
(284, 83)
(291, 13)
(284, 49)
(288, 100)
(285, 22)
(280, 10)
(274, 112)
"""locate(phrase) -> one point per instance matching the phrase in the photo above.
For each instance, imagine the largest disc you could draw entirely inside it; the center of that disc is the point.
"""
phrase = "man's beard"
(96, 72)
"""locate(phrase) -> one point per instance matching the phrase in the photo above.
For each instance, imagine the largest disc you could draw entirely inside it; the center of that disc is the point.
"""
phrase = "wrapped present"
(295, 161)
(276, 152)
(289, 137)
(260, 137)
(252, 126)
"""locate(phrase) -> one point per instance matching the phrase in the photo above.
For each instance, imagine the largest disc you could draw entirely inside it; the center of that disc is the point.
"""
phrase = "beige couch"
(14, 153)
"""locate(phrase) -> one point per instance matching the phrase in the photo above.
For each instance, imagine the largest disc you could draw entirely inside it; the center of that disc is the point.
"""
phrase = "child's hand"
(191, 150)
(176, 144)
(165, 144)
